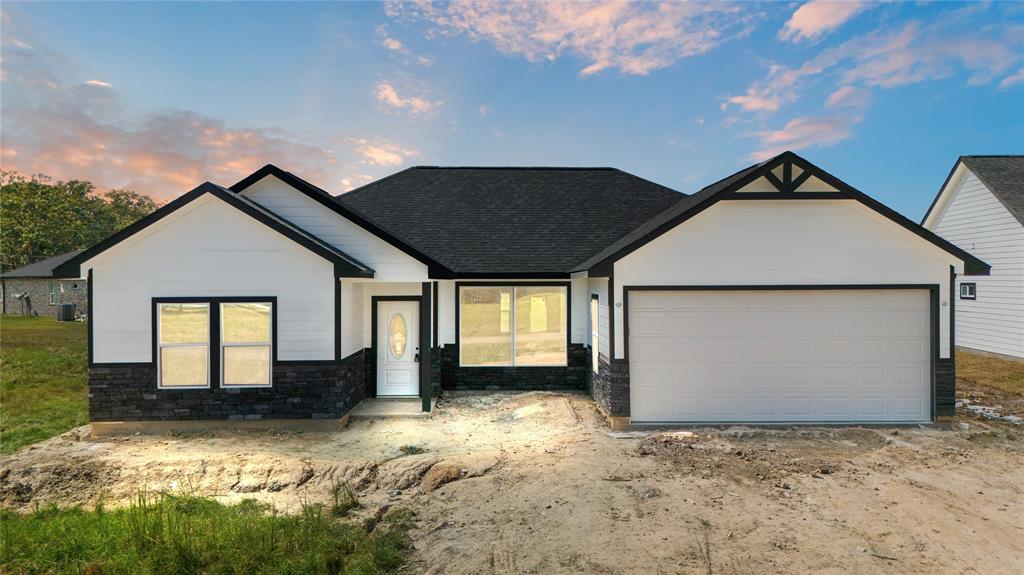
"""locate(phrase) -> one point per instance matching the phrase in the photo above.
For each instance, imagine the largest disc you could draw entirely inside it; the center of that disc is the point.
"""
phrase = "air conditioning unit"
(65, 312)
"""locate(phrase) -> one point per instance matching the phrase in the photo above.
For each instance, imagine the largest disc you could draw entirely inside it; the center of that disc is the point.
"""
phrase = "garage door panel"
(829, 355)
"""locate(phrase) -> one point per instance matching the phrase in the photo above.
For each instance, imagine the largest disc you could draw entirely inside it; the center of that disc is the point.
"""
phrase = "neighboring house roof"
(1002, 175)
(693, 205)
(344, 265)
(40, 269)
(504, 221)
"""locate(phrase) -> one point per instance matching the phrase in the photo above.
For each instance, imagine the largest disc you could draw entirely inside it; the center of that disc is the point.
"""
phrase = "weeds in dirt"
(411, 450)
(343, 499)
(703, 544)
(171, 534)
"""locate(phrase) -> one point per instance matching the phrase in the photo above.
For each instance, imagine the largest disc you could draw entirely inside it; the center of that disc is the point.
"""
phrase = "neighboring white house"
(980, 208)
(777, 294)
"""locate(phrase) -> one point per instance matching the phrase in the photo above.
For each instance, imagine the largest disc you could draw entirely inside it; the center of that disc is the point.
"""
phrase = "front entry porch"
(392, 407)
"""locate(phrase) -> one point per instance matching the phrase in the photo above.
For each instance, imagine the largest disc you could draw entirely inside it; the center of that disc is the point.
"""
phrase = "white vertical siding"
(787, 243)
(351, 317)
(977, 221)
(446, 312)
(388, 262)
(368, 289)
(599, 287)
(579, 331)
(209, 248)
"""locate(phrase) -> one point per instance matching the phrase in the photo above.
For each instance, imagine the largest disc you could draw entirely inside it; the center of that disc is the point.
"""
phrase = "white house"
(778, 294)
(980, 208)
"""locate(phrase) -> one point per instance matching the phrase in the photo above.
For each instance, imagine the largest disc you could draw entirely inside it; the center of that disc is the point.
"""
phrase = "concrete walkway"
(387, 407)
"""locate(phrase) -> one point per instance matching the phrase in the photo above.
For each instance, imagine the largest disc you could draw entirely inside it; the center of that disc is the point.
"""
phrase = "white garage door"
(780, 356)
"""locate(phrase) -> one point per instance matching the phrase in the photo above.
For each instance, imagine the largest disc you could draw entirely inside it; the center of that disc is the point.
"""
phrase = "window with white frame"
(513, 326)
(53, 293)
(183, 345)
(968, 291)
(246, 341)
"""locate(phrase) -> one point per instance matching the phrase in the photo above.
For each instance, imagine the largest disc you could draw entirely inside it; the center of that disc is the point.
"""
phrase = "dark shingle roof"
(40, 269)
(667, 216)
(510, 220)
(1004, 175)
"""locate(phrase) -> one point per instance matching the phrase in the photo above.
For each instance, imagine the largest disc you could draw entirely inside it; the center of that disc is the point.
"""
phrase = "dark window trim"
(215, 347)
(933, 290)
(513, 284)
(90, 317)
(973, 288)
(374, 300)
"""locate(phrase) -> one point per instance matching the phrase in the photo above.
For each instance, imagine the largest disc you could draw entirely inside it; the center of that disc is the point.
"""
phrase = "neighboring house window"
(520, 326)
(53, 293)
(246, 342)
(968, 291)
(183, 345)
(595, 333)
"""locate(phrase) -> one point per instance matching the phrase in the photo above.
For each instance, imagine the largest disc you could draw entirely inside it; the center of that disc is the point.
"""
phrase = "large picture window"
(246, 341)
(520, 326)
(183, 346)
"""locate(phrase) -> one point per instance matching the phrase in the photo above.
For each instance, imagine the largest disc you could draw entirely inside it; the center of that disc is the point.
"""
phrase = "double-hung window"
(221, 340)
(513, 326)
(183, 346)
(246, 344)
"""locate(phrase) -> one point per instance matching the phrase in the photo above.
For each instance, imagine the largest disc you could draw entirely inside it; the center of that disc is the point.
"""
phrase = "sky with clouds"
(161, 97)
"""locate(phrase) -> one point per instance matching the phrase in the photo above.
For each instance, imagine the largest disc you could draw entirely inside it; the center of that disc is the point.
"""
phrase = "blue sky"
(160, 97)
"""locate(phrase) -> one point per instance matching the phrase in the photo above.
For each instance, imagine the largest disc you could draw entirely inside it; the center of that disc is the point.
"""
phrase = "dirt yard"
(537, 483)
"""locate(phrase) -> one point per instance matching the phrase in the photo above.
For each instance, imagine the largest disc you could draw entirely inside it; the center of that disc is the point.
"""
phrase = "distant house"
(980, 208)
(36, 284)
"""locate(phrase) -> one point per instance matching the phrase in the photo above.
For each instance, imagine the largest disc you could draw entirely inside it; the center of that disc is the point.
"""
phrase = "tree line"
(41, 217)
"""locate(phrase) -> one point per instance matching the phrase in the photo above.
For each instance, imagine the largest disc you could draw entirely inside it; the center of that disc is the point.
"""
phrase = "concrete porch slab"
(392, 407)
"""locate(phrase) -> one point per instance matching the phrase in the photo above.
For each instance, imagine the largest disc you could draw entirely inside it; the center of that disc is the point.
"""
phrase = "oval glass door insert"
(399, 336)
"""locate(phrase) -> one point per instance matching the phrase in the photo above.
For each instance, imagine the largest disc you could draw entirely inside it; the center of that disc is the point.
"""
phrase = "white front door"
(398, 348)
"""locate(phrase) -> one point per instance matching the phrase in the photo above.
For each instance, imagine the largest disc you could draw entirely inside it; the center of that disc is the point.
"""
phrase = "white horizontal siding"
(793, 242)
(388, 262)
(974, 219)
(209, 248)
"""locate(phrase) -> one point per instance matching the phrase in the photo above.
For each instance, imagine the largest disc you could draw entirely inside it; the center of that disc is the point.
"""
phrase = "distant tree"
(41, 217)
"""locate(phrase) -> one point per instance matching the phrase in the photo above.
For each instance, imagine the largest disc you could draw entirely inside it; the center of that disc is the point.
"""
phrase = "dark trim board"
(372, 392)
(436, 269)
(215, 348)
(426, 382)
(602, 263)
(513, 284)
(934, 315)
(344, 265)
(435, 341)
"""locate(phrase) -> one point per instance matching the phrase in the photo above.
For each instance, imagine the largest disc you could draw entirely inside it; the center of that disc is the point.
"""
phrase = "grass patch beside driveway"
(1003, 374)
(43, 379)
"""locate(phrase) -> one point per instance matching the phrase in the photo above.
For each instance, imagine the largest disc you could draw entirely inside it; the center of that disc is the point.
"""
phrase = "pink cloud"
(849, 96)
(819, 17)
(803, 132)
(1013, 79)
(72, 129)
(634, 38)
(415, 105)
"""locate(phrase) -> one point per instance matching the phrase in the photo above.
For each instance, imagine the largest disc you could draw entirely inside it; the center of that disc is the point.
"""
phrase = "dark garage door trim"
(933, 290)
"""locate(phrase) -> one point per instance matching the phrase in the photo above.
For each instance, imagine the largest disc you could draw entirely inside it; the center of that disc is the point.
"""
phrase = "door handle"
(416, 358)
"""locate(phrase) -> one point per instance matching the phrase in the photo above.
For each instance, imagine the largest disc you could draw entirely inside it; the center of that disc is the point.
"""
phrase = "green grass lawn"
(178, 535)
(43, 379)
